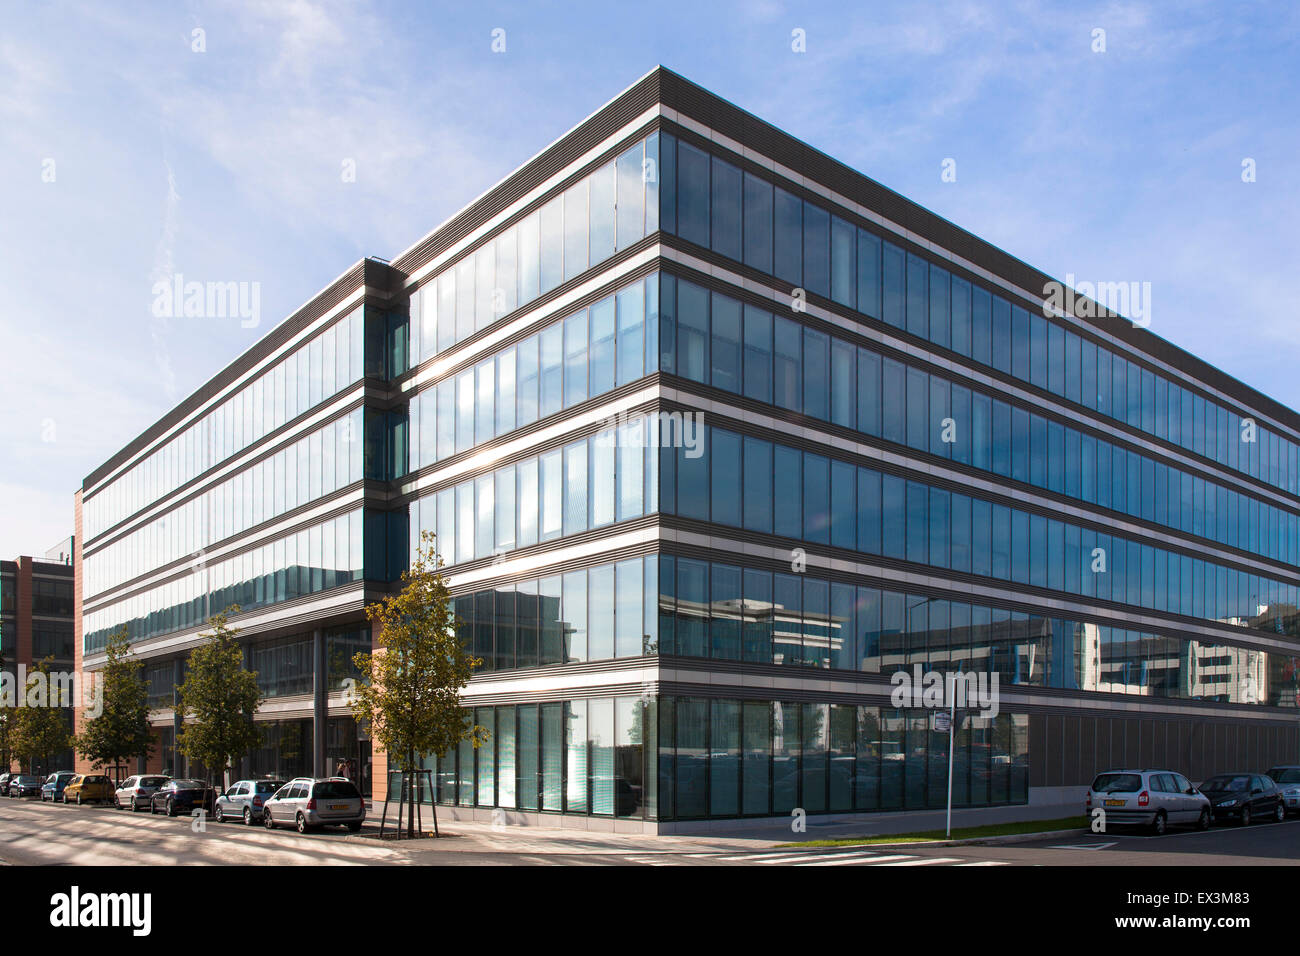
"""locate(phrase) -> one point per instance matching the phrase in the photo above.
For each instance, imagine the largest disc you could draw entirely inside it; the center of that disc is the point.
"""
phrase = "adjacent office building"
(716, 436)
(36, 627)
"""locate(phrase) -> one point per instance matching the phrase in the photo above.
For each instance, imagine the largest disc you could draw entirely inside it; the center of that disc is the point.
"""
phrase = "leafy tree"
(218, 700)
(39, 728)
(409, 694)
(122, 728)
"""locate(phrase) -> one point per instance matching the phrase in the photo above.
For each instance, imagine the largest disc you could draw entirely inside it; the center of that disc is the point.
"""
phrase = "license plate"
(338, 806)
(1115, 803)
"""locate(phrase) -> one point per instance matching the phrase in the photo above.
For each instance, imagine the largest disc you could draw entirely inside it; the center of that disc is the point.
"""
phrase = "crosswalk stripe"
(807, 859)
(765, 857)
(865, 860)
(926, 861)
(985, 863)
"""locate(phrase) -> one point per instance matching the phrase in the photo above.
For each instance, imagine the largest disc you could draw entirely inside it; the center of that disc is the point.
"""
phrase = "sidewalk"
(475, 836)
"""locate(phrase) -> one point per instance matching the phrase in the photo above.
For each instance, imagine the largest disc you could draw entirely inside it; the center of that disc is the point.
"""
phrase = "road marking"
(862, 860)
(1081, 846)
(925, 861)
(986, 863)
(808, 860)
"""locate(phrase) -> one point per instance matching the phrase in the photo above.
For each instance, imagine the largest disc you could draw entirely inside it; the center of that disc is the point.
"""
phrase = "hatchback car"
(24, 785)
(1244, 797)
(136, 791)
(1287, 779)
(1151, 798)
(88, 787)
(182, 796)
(308, 803)
(55, 783)
(244, 800)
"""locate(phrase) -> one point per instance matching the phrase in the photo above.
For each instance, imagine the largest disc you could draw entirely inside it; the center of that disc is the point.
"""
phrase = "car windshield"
(335, 788)
(1286, 775)
(96, 780)
(268, 786)
(1227, 782)
(189, 784)
(152, 781)
(1117, 783)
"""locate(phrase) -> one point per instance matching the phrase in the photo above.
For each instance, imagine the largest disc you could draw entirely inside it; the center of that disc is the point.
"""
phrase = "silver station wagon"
(1156, 799)
(245, 800)
(307, 803)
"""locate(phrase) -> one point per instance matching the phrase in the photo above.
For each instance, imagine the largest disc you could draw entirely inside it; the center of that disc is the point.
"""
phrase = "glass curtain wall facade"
(624, 394)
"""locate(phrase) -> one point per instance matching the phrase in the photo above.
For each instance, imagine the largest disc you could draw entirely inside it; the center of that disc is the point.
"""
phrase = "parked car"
(84, 788)
(182, 796)
(136, 791)
(244, 800)
(55, 784)
(1244, 797)
(4, 783)
(24, 785)
(1152, 798)
(308, 803)
(1287, 778)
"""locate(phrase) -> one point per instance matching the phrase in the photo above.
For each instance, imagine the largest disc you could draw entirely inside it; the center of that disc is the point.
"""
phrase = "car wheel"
(1160, 824)
(1245, 816)
(301, 823)
(78, 798)
(354, 827)
(135, 806)
(248, 817)
(1279, 813)
(266, 819)
(171, 808)
(1203, 821)
(217, 816)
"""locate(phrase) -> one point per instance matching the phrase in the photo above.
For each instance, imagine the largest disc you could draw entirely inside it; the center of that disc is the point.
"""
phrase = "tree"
(122, 728)
(409, 693)
(218, 700)
(39, 726)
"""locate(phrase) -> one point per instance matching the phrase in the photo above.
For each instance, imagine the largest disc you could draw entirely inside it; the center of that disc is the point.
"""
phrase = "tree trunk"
(410, 810)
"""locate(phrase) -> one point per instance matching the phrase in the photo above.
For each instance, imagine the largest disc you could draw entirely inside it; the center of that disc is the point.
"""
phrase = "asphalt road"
(43, 834)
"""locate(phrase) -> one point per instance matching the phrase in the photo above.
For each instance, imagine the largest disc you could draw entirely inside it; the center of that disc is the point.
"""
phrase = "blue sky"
(225, 165)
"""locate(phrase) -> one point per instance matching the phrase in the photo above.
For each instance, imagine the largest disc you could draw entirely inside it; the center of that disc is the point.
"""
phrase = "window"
(692, 194)
(757, 496)
(692, 332)
(725, 350)
(726, 226)
(758, 354)
(758, 223)
(788, 238)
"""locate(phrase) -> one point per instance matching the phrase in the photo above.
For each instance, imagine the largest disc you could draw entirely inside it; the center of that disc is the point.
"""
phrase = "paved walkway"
(737, 836)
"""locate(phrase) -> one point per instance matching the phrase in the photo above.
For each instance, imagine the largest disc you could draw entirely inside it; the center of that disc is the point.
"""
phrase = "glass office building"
(716, 437)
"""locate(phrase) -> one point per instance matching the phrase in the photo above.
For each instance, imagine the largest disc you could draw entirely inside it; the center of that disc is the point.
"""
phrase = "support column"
(245, 769)
(176, 718)
(320, 703)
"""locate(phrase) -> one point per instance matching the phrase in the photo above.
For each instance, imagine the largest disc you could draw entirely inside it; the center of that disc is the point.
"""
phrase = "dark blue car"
(54, 786)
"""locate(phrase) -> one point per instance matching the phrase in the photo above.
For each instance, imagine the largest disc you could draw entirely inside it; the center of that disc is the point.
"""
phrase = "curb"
(972, 841)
